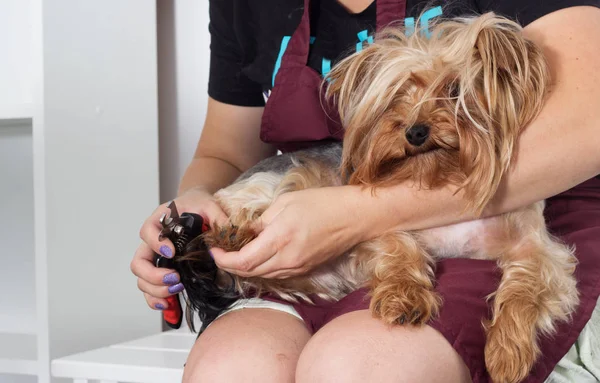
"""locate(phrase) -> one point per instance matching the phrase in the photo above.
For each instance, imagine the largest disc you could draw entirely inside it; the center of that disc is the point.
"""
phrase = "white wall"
(183, 61)
(15, 57)
(101, 167)
(90, 69)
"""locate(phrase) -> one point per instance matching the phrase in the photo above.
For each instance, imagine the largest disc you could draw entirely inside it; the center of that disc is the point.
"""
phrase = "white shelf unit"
(18, 354)
(78, 174)
(16, 228)
(18, 325)
(20, 111)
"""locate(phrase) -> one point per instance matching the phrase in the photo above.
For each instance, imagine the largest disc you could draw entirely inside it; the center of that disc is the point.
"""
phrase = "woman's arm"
(230, 144)
(230, 141)
(559, 150)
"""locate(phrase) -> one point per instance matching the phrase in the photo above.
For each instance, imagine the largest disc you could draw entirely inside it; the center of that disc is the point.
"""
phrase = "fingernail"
(170, 279)
(166, 251)
(176, 288)
(211, 254)
(159, 306)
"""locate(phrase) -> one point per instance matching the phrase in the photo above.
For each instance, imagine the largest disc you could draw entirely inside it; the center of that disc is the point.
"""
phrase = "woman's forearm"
(230, 144)
(556, 152)
(209, 174)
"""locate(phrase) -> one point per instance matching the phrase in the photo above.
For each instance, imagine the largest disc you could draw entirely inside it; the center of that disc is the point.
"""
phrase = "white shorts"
(258, 303)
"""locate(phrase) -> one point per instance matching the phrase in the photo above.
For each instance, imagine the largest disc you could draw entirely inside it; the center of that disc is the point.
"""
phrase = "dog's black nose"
(417, 134)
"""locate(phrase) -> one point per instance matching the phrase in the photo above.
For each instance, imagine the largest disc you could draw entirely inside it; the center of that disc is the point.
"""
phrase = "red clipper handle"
(173, 315)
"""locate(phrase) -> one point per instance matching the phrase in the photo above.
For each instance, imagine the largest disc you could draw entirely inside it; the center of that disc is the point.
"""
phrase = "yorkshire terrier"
(436, 108)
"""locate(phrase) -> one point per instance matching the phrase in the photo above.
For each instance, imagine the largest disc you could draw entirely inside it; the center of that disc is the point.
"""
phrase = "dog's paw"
(229, 238)
(402, 303)
(510, 351)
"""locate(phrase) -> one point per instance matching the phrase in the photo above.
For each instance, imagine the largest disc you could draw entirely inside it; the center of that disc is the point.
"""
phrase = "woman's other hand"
(298, 232)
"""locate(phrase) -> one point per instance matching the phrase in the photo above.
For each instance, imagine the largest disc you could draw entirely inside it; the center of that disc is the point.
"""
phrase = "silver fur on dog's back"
(329, 154)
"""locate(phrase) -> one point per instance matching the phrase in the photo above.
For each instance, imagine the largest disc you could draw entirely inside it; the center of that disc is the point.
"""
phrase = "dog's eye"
(453, 90)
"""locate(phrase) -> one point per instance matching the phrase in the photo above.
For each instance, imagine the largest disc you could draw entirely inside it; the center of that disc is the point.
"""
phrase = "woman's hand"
(299, 231)
(159, 283)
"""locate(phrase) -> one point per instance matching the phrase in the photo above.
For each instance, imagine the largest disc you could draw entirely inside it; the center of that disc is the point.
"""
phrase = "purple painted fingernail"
(211, 254)
(159, 306)
(176, 288)
(166, 251)
(170, 279)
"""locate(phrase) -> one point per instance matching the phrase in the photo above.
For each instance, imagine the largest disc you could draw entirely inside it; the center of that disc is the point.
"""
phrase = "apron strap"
(296, 53)
(390, 11)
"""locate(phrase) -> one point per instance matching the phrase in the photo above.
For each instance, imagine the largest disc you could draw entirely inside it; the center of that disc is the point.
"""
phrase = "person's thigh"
(249, 345)
(355, 347)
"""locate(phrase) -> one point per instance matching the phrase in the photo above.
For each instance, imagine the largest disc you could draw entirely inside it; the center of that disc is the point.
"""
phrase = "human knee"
(240, 347)
(358, 348)
(327, 358)
(238, 365)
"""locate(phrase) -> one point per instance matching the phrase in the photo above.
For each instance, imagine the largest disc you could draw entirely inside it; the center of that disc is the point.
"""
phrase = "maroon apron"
(296, 114)
(295, 117)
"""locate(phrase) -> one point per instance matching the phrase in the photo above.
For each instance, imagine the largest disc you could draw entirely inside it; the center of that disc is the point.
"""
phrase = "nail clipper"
(180, 230)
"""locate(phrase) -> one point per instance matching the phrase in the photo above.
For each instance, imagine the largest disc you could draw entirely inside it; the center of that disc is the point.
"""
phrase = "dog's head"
(440, 106)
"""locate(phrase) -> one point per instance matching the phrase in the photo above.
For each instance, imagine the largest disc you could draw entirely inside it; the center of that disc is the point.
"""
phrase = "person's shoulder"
(245, 40)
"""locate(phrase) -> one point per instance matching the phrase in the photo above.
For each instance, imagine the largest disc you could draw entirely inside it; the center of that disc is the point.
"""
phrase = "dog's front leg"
(537, 290)
(402, 287)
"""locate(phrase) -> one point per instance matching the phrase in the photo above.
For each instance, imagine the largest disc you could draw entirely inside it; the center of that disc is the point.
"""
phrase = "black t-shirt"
(248, 37)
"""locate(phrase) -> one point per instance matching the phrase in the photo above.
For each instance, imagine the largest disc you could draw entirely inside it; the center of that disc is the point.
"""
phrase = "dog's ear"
(513, 72)
(347, 86)
(503, 85)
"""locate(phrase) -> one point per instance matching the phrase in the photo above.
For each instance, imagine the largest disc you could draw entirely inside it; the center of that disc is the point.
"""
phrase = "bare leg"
(248, 345)
(359, 348)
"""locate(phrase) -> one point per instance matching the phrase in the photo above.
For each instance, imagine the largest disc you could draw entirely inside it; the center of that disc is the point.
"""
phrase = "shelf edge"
(16, 111)
(19, 366)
